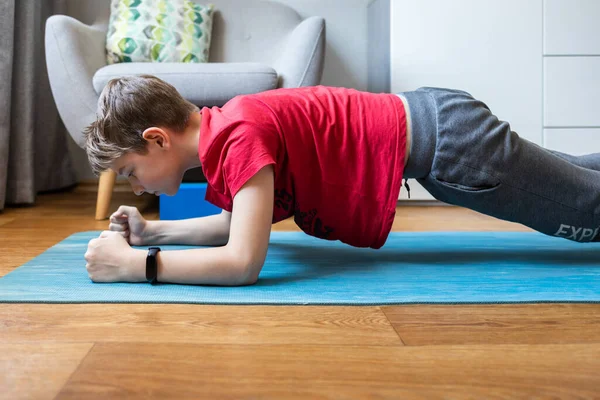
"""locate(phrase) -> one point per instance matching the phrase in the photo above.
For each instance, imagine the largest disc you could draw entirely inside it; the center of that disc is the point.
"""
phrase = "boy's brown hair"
(126, 108)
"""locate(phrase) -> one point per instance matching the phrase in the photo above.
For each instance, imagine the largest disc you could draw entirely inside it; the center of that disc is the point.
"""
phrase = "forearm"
(212, 230)
(239, 262)
(208, 266)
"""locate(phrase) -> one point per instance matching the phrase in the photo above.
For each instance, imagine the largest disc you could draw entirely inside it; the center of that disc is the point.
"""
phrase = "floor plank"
(5, 220)
(196, 324)
(158, 371)
(37, 370)
(496, 324)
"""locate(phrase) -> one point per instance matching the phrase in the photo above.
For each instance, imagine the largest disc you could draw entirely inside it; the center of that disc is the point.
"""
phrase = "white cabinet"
(578, 141)
(535, 63)
(571, 27)
(571, 89)
(572, 92)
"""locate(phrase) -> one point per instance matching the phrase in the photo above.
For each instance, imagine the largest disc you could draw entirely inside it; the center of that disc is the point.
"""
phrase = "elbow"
(243, 279)
(248, 281)
(242, 273)
(247, 271)
(246, 265)
(249, 274)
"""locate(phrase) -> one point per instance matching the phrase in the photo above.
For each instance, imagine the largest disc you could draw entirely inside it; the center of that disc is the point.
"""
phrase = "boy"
(333, 158)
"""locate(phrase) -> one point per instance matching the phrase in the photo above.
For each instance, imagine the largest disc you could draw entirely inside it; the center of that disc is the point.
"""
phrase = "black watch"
(152, 265)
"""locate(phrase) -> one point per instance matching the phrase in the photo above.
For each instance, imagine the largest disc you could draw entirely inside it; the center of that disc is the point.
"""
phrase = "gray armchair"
(256, 45)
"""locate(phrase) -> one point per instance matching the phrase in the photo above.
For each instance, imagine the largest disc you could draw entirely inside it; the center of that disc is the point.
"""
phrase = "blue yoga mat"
(412, 267)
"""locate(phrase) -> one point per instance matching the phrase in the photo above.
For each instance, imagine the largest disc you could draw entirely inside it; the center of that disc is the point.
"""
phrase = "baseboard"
(421, 203)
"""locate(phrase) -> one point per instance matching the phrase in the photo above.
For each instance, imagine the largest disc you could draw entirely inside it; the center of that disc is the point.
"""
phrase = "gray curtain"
(34, 154)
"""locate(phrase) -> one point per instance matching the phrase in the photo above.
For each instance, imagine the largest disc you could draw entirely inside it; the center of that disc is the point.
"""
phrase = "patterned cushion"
(158, 31)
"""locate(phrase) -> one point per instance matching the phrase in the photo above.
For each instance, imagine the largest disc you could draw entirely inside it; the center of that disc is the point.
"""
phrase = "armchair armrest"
(74, 52)
(303, 56)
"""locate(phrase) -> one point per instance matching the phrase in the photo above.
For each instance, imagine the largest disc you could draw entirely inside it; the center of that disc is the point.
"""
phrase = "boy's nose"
(138, 190)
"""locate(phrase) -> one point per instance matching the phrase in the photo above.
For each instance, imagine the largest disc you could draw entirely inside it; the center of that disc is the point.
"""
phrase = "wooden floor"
(100, 351)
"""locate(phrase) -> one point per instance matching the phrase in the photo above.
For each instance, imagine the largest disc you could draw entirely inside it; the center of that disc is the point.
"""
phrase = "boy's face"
(159, 171)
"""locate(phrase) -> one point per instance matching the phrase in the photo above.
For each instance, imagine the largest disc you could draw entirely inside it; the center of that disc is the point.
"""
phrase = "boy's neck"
(191, 139)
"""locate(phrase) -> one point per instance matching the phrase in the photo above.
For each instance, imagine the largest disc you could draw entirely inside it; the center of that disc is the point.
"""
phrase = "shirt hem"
(398, 173)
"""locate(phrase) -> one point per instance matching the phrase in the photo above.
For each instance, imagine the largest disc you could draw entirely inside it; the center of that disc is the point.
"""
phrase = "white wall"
(346, 51)
(378, 49)
(345, 54)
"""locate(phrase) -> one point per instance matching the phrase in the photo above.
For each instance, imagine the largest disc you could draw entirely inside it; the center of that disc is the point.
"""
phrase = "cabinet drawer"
(571, 27)
(572, 91)
(573, 141)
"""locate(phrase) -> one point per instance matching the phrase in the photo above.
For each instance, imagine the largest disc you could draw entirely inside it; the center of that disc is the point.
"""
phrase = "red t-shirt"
(338, 156)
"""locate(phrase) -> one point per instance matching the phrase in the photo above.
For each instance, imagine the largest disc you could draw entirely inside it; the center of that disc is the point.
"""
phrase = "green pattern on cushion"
(158, 31)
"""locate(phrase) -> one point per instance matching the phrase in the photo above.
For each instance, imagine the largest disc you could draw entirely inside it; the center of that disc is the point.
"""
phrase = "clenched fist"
(130, 224)
(110, 259)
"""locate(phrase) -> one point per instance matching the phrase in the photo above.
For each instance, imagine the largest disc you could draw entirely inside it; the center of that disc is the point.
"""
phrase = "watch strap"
(152, 265)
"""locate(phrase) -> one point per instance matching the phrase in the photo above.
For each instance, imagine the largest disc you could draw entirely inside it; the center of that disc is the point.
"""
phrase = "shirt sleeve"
(218, 199)
(248, 151)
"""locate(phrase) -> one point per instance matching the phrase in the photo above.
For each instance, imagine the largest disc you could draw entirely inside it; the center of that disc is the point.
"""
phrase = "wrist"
(149, 235)
(136, 270)
(152, 233)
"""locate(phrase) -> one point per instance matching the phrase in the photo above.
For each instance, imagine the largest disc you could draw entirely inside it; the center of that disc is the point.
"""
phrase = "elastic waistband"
(423, 120)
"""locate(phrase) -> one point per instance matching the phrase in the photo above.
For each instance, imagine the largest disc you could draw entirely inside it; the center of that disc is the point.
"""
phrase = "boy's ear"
(158, 136)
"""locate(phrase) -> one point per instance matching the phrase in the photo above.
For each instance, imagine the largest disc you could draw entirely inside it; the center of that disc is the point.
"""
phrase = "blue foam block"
(187, 203)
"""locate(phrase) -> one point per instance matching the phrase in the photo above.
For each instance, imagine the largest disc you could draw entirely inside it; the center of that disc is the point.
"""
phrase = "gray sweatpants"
(463, 155)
